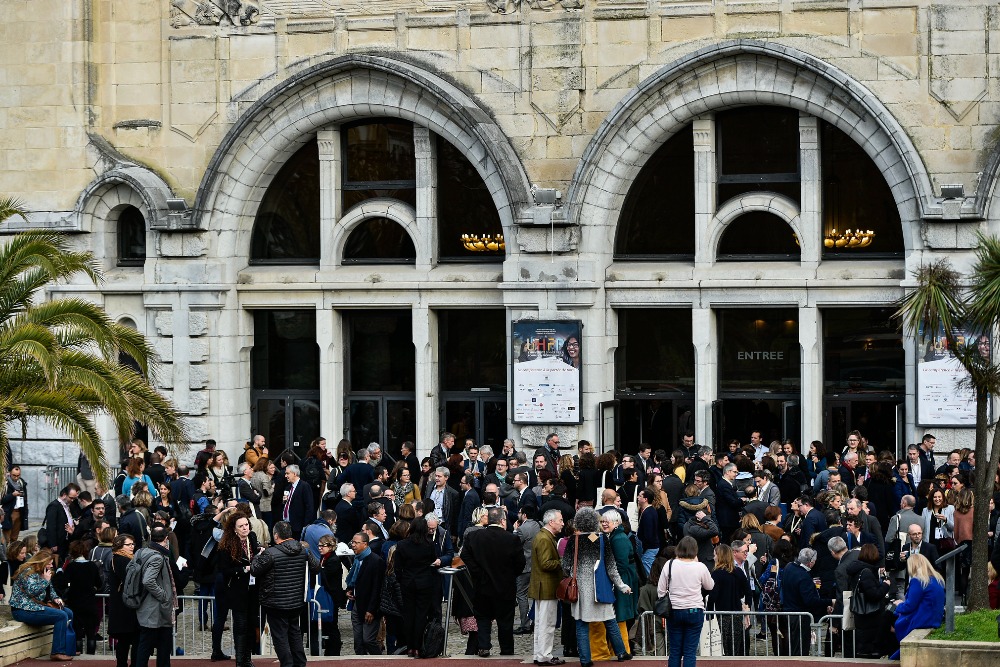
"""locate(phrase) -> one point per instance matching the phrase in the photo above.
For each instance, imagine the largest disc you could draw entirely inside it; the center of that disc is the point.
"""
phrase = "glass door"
(482, 417)
(385, 419)
(286, 420)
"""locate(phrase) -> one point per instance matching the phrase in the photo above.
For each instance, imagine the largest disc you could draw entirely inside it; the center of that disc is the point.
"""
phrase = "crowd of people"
(526, 540)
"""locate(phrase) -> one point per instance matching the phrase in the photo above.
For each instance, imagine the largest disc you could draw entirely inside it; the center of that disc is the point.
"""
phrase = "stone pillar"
(330, 194)
(810, 216)
(811, 403)
(426, 155)
(705, 333)
(705, 190)
(330, 339)
(427, 386)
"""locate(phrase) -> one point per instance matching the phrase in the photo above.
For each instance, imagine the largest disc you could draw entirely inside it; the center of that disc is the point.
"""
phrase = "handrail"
(951, 554)
(949, 585)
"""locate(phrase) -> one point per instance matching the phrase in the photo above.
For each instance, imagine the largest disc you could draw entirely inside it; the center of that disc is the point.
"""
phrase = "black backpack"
(433, 644)
(312, 471)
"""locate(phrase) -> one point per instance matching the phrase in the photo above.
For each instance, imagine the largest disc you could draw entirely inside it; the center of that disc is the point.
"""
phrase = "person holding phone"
(34, 601)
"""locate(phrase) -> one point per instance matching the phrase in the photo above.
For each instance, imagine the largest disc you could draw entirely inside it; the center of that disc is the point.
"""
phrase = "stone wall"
(23, 642)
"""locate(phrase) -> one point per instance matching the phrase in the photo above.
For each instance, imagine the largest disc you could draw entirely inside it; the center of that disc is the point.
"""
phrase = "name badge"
(253, 581)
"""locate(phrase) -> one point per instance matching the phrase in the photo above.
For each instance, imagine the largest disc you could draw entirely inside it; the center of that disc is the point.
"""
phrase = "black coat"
(55, 527)
(731, 589)
(134, 524)
(83, 579)
(470, 501)
(727, 507)
(495, 558)
(368, 585)
(300, 510)
(9, 500)
(121, 620)
(412, 565)
(348, 522)
(281, 574)
(236, 578)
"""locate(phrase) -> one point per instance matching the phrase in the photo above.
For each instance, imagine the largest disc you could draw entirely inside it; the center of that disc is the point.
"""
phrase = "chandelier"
(486, 242)
(849, 239)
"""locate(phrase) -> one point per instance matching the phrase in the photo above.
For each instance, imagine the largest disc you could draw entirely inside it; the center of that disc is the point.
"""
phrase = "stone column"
(704, 331)
(811, 402)
(426, 154)
(705, 190)
(810, 216)
(330, 339)
(330, 194)
(427, 385)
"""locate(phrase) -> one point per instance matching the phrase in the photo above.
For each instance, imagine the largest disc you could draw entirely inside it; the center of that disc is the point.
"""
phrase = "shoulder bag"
(568, 590)
(860, 604)
(663, 607)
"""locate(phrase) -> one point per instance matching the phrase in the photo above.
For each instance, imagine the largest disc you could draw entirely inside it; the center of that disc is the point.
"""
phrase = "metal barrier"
(55, 478)
(192, 630)
(768, 634)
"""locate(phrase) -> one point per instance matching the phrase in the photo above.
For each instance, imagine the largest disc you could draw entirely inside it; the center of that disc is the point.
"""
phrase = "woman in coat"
(924, 603)
(263, 483)
(626, 604)
(237, 548)
(939, 522)
(414, 560)
(871, 628)
(586, 485)
(595, 602)
(122, 624)
(902, 482)
(331, 578)
(731, 593)
(83, 579)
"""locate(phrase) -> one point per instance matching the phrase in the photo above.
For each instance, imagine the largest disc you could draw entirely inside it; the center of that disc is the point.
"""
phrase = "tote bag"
(711, 638)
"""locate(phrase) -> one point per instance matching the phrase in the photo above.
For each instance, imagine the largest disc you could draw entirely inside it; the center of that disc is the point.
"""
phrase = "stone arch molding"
(769, 202)
(397, 211)
(343, 89)
(142, 187)
(731, 74)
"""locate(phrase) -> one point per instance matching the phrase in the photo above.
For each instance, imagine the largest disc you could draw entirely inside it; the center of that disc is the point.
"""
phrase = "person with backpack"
(314, 470)
(281, 573)
(123, 626)
(155, 601)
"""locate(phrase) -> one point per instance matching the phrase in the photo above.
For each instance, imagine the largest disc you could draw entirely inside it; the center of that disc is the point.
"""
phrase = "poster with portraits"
(547, 371)
(944, 397)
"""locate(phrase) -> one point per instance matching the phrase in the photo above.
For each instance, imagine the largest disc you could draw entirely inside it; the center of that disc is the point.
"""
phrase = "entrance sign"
(943, 397)
(547, 371)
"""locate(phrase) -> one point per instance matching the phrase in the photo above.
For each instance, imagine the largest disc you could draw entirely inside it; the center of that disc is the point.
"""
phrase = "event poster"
(943, 397)
(547, 371)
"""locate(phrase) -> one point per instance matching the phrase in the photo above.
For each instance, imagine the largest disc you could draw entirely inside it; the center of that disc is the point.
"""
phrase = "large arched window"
(286, 230)
(758, 149)
(379, 241)
(379, 161)
(131, 232)
(657, 219)
(464, 206)
(758, 235)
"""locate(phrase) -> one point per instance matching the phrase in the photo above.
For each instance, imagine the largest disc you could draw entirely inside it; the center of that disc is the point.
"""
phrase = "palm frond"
(936, 303)
(10, 207)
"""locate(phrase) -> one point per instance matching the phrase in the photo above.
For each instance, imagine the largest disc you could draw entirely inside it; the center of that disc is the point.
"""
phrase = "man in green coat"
(546, 571)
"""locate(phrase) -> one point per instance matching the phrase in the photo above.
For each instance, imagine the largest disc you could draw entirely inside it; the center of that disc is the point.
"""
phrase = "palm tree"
(60, 358)
(945, 301)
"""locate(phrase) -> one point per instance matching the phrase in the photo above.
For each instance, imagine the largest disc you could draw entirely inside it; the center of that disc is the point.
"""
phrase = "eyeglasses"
(129, 544)
(328, 546)
(352, 542)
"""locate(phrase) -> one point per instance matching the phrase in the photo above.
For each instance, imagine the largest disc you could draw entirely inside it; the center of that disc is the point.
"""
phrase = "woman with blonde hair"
(142, 499)
(568, 478)
(30, 596)
(924, 603)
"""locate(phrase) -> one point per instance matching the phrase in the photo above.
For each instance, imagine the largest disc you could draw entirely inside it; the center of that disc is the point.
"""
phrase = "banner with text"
(547, 371)
(941, 401)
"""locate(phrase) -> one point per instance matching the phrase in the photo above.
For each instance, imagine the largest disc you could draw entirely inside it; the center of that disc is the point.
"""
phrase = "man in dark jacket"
(408, 452)
(799, 594)
(15, 513)
(358, 473)
(130, 521)
(551, 453)
(557, 501)
(727, 503)
(812, 521)
(59, 523)
(494, 558)
(348, 519)
(470, 501)
(364, 587)
(156, 612)
(281, 579)
(298, 508)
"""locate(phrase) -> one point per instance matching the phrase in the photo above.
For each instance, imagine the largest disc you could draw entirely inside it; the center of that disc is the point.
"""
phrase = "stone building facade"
(277, 191)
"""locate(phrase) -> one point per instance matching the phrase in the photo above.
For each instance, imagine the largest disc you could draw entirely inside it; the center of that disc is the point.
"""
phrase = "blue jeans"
(612, 631)
(684, 632)
(59, 619)
(648, 556)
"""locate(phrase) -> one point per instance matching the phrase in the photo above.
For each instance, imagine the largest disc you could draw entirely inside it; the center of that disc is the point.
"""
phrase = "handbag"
(391, 603)
(710, 643)
(663, 607)
(568, 590)
(861, 605)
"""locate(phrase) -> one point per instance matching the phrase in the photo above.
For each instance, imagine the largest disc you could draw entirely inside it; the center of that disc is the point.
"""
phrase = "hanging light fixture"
(484, 243)
(848, 239)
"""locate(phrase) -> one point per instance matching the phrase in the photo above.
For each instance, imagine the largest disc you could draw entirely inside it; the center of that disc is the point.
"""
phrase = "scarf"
(352, 576)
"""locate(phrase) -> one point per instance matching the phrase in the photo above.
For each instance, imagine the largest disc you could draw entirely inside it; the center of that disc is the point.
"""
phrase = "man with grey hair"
(844, 556)
(868, 523)
(446, 499)
(297, 503)
(526, 528)
(799, 594)
(377, 457)
(848, 470)
(495, 558)
(546, 572)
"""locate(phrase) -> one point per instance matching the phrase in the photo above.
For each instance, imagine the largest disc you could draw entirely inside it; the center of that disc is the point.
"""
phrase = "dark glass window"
(655, 353)
(285, 354)
(856, 196)
(758, 235)
(131, 237)
(286, 230)
(758, 149)
(379, 161)
(465, 206)
(473, 349)
(382, 356)
(759, 350)
(862, 351)
(657, 217)
(379, 240)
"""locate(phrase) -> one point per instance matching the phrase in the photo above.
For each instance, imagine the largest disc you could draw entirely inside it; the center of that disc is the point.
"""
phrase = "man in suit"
(499, 477)
(297, 504)
(927, 466)
(475, 467)
(446, 499)
(358, 473)
(59, 522)
(902, 519)
(869, 524)
(848, 471)
(470, 501)
(439, 455)
(348, 520)
(408, 451)
(551, 453)
(728, 503)
(917, 544)
(495, 558)
(364, 588)
(855, 537)
(767, 492)
(523, 496)
(799, 594)
(812, 522)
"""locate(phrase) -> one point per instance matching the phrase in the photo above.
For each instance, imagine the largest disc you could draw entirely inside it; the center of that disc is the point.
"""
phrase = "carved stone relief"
(213, 12)
(511, 6)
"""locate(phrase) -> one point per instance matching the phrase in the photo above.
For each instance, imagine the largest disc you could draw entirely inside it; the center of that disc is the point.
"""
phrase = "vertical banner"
(547, 371)
(941, 401)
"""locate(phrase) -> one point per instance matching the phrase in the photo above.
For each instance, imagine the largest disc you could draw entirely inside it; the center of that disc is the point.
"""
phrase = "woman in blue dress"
(924, 603)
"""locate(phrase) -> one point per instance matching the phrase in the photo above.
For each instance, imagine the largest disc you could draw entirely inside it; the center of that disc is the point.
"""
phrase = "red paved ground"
(394, 661)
